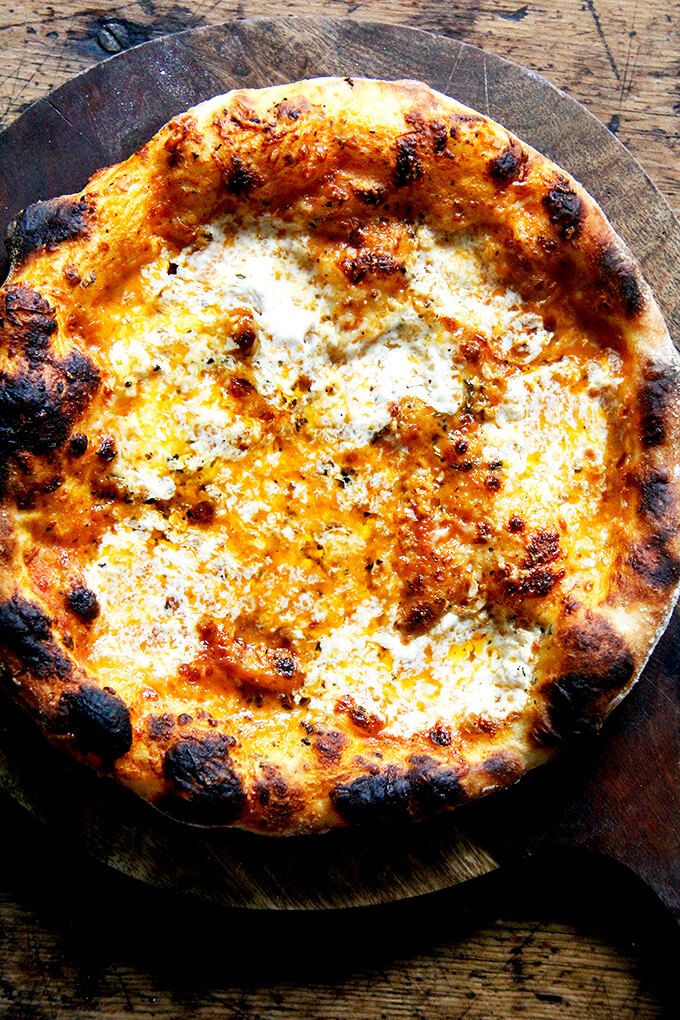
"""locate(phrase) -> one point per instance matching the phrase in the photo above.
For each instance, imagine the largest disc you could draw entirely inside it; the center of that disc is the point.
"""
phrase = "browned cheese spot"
(370, 264)
(509, 165)
(242, 179)
(47, 225)
(407, 167)
(565, 209)
(249, 662)
(658, 394)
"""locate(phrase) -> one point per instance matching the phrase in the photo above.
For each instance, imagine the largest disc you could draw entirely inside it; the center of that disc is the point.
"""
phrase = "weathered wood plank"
(619, 58)
(583, 948)
(76, 941)
(76, 131)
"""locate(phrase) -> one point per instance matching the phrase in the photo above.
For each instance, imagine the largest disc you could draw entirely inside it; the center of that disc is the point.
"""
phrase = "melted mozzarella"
(544, 429)
(155, 591)
(355, 376)
(466, 663)
(454, 277)
(293, 530)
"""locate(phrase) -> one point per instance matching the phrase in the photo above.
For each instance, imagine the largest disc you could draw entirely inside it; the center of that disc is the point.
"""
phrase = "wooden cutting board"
(620, 795)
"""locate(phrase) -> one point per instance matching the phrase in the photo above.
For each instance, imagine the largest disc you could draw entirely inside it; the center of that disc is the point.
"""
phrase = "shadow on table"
(575, 938)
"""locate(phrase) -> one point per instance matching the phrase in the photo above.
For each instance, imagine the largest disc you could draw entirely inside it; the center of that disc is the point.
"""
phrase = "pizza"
(340, 470)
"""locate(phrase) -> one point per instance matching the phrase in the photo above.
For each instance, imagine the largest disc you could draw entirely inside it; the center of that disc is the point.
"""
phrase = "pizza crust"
(367, 168)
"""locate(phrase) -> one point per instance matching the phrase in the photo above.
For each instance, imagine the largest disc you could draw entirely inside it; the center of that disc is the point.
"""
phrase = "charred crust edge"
(658, 391)
(274, 799)
(657, 498)
(47, 225)
(564, 208)
(655, 564)
(399, 793)
(28, 321)
(205, 789)
(596, 663)
(26, 632)
(39, 406)
(98, 720)
(503, 768)
(620, 279)
(509, 165)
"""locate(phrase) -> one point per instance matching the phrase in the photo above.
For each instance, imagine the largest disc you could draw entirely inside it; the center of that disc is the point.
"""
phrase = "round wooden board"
(101, 117)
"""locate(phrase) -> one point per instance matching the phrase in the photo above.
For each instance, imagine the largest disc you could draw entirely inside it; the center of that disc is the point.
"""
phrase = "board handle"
(653, 856)
(618, 795)
(627, 800)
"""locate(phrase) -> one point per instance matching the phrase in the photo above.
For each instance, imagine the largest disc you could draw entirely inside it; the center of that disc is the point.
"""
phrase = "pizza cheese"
(340, 466)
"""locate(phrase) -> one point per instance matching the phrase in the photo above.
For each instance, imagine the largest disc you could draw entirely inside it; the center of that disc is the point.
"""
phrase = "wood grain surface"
(100, 117)
(620, 57)
(471, 970)
(78, 942)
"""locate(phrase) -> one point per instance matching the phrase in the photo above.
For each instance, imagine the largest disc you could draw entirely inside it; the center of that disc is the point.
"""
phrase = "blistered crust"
(363, 147)
(97, 721)
(46, 225)
(203, 787)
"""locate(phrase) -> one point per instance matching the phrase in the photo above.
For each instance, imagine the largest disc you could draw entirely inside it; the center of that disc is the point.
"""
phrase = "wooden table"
(566, 937)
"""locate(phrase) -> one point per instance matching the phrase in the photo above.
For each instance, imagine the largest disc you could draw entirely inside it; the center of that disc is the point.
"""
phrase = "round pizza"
(340, 464)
